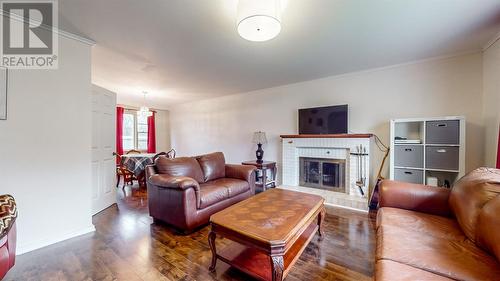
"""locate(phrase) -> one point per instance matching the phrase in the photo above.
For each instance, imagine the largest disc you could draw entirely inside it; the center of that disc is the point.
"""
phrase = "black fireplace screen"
(322, 173)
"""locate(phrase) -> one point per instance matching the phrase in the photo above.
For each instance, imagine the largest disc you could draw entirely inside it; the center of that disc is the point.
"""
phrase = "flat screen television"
(324, 120)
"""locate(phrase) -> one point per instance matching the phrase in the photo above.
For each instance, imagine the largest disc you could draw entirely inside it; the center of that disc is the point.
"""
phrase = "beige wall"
(491, 101)
(162, 126)
(45, 148)
(450, 86)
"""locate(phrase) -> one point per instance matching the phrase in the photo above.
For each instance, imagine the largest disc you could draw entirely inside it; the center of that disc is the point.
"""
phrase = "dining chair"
(133, 151)
(159, 154)
(122, 171)
(171, 153)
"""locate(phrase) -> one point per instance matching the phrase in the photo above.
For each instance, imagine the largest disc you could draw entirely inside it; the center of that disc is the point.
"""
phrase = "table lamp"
(259, 138)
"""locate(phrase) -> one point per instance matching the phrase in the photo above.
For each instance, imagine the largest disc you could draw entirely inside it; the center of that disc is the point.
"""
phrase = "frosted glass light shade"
(144, 112)
(259, 20)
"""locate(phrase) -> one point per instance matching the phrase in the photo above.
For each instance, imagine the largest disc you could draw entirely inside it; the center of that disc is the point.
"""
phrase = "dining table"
(136, 163)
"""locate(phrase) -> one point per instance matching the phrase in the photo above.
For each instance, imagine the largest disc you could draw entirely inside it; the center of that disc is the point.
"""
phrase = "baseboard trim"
(22, 249)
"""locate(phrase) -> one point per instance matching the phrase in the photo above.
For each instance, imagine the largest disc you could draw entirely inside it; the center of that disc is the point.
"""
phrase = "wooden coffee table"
(268, 232)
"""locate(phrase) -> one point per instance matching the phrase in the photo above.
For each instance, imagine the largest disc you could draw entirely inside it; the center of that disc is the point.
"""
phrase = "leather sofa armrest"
(149, 171)
(415, 197)
(242, 172)
(167, 181)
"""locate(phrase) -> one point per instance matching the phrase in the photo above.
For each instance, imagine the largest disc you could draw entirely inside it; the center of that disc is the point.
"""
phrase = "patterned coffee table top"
(272, 216)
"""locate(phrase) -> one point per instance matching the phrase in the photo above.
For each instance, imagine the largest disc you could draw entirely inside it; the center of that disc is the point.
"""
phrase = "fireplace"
(343, 152)
(322, 173)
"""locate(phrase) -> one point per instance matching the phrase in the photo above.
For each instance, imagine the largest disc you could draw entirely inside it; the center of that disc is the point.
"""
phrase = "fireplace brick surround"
(338, 146)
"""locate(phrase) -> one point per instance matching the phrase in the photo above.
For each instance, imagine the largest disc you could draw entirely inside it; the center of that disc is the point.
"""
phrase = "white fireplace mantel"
(341, 146)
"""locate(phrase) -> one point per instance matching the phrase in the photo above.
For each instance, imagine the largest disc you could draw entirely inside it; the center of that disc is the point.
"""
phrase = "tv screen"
(323, 120)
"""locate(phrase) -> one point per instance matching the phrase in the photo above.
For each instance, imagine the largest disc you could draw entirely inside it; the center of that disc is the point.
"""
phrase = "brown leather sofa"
(8, 215)
(431, 233)
(186, 191)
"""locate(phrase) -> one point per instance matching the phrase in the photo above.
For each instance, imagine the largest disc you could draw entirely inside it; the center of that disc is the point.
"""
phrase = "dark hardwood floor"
(127, 246)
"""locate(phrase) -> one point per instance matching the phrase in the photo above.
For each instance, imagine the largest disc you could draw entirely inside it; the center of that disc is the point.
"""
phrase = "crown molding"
(75, 37)
(491, 42)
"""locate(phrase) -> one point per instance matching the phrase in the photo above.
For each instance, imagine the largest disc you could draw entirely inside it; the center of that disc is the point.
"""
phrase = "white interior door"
(103, 146)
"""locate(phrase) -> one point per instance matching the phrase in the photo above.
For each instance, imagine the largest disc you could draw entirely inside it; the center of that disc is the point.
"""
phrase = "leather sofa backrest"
(472, 200)
(213, 165)
(180, 167)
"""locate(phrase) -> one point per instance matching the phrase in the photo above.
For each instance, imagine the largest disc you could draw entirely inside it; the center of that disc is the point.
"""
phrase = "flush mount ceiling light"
(259, 20)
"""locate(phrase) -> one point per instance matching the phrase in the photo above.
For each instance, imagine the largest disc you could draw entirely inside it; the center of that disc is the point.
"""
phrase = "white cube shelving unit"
(435, 147)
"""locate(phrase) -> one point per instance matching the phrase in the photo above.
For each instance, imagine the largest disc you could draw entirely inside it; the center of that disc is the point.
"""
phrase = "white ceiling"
(183, 50)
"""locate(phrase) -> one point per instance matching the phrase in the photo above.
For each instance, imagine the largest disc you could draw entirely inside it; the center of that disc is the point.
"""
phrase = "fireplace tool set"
(361, 155)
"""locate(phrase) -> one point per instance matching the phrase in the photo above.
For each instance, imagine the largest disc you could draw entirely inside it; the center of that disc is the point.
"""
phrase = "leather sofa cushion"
(234, 186)
(221, 189)
(180, 167)
(213, 166)
(455, 259)
(391, 270)
(425, 224)
(211, 193)
(470, 194)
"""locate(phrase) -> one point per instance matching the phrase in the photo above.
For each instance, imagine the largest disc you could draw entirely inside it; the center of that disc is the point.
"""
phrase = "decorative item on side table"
(259, 138)
(262, 180)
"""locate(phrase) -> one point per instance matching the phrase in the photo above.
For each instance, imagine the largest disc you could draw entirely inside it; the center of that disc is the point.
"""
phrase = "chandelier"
(144, 110)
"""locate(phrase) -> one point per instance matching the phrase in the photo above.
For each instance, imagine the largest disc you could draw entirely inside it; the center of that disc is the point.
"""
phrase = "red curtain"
(151, 134)
(119, 130)
(498, 151)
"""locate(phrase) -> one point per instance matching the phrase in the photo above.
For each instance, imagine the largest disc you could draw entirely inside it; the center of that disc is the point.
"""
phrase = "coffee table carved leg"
(321, 218)
(277, 266)
(211, 242)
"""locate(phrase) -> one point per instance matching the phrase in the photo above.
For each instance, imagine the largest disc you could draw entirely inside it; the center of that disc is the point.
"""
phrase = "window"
(142, 132)
(135, 131)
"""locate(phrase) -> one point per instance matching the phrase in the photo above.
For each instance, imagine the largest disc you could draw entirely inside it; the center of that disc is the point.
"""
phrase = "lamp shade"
(259, 20)
(259, 137)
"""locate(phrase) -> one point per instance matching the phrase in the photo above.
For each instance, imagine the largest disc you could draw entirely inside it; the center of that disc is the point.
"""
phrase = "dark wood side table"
(264, 167)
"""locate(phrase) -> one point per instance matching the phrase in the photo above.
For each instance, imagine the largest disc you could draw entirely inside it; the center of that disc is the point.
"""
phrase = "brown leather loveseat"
(186, 191)
(431, 233)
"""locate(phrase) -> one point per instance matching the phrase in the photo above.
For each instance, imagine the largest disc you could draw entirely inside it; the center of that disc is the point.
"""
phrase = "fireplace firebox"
(329, 174)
